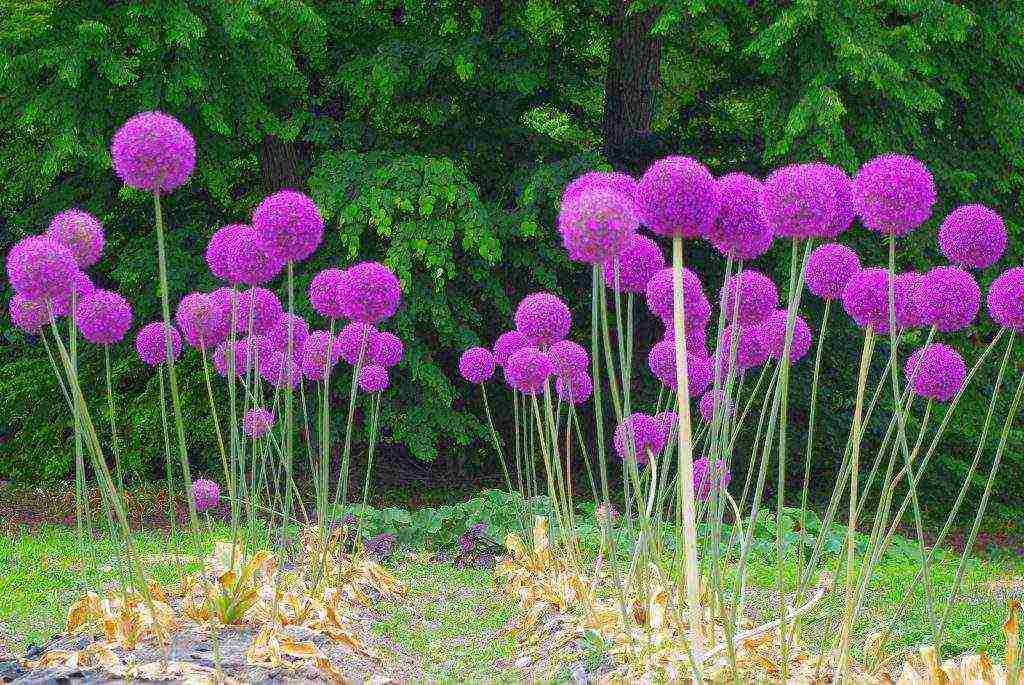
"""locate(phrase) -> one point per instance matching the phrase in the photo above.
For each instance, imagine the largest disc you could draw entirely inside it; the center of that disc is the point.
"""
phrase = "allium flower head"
(639, 436)
(696, 308)
(151, 342)
(153, 151)
(662, 362)
(669, 420)
(569, 358)
(574, 388)
(371, 292)
(288, 225)
(222, 358)
(257, 422)
(696, 339)
(373, 378)
(773, 336)
(29, 316)
(527, 370)
(356, 338)
(639, 259)
(866, 298)
(804, 200)
(596, 225)
(842, 211)
(103, 317)
(749, 351)
(388, 349)
(40, 268)
(607, 180)
(202, 322)
(829, 268)
(973, 236)
(1006, 299)
(477, 365)
(711, 401)
(507, 343)
(936, 371)
(327, 293)
(232, 255)
(678, 196)
(893, 194)
(259, 310)
(948, 298)
(319, 353)
(205, 494)
(543, 318)
(81, 233)
(739, 231)
(278, 333)
(904, 293)
(751, 296)
(705, 479)
(278, 369)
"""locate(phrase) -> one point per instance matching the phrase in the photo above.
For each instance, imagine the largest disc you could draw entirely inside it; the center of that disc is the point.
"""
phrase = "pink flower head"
(371, 292)
(153, 151)
(257, 422)
(319, 354)
(866, 298)
(669, 420)
(288, 225)
(904, 292)
(259, 310)
(773, 336)
(711, 400)
(596, 225)
(29, 316)
(81, 233)
(614, 181)
(40, 268)
(842, 211)
(639, 259)
(569, 358)
(739, 231)
(507, 343)
(829, 268)
(278, 369)
(278, 333)
(202, 322)
(327, 293)
(706, 480)
(749, 350)
(805, 200)
(751, 295)
(477, 365)
(103, 317)
(696, 339)
(696, 308)
(222, 358)
(205, 494)
(973, 236)
(1006, 299)
(357, 339)
(574, 388)
(936, 372)
(893, 194)
(527, 370)
(249, 351)
(151, 342)
(948, 298)
(639, 436)
(373, 378)
(388, 350)
(662, 362)
(678, 196)
(233, 256)
(543, 318)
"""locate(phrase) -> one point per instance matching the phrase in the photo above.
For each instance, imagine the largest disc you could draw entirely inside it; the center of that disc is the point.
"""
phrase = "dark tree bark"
(633, 73)
(279, 162)
(491, 10)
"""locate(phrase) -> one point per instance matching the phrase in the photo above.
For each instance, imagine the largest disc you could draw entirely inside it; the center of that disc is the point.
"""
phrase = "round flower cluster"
(662, 362)
(749, 351)
(29, 316)
(387, 350)
(739, 230)
(973, 236)
(259, 310)
(528, 370)
(948, 298)
(750, 296)
(596, 225)
(574, 388)
(705, 480)
(638, 437)
(614, 181)
(806, 200)
(659, 294)
(103, 317)
(373, 378)
(288, 225)
(639, 259)
(355, 341)
(1006, 299)
(772, 334)
(153, 151)
(151, 342)
(829, 268)
(319, 354)
(905, 287)
(893, 194)
(278, 369)
(41, 269)
(249, 351)
(843, 211)
(205, 494)
(202, 323)
(568, 358)
(711, 401)
(866, 298)
(678, 196)
(257, 422)
(696, 338)
(508, 343)
(327, 293)
(543, 318)
(81, 233)
(278, 333)
(668, 421)
(371, 292)
(233, 256)
(936, 372)
(477, 364)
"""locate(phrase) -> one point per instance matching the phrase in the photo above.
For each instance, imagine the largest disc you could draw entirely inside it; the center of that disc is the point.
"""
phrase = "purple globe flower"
(327, 293)
(596, 225)
(151, 342)
(257, 422)
(639, 259)
(866, 298)
(249, 351)
(371, 292)
(936, 372)
(527, 370)
(103, 317)
(668, 420)
(222, 358)
(842, 211)
(1006, 299)
(569, 358)
(710, 401)
(29, 316)
(477, 365)
(388, 349)
(696, 308)
(40, 268)
(249, 264)
(749, 351)
(696, 339)
(678, 196)
(259, 310)
(81, 233)
(662, 362)
(706, 480)
(356, 338)
(205, 494)
(639, 436)
(607, 180)
(773, 336)
(508, 343)
(893, 194)
(574, 388)
(153, 151)
(904, 291)
(948, 298)
(751, 296)
(229, 252)
(973, 236)
(373, 378)
(829, 268)
(739, 231)
(319, 354)
(543, 318)
(804, 200)
(278, 333)
(288, 225)
(278, 369)
(202, 323)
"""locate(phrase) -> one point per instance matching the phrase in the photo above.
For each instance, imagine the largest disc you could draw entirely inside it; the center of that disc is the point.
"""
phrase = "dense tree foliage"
(436, 135)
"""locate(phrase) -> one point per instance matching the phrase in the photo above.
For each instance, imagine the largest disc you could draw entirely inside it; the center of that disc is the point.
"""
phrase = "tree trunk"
(279, 162)
(633, 73)
(491, 15)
